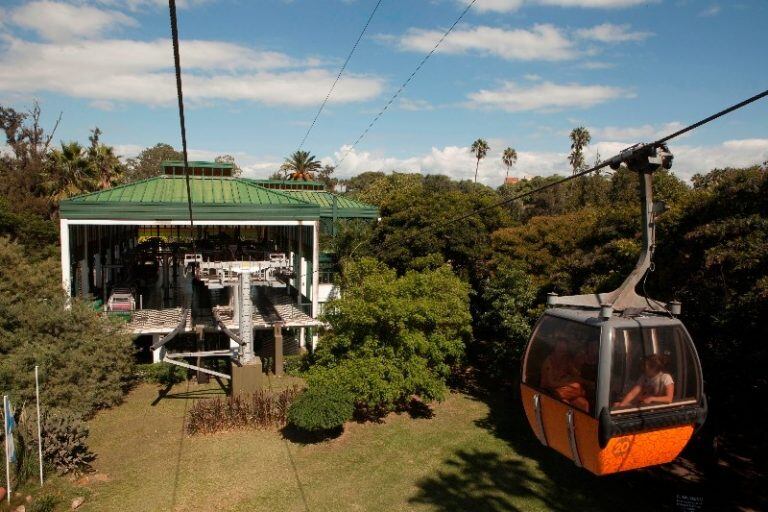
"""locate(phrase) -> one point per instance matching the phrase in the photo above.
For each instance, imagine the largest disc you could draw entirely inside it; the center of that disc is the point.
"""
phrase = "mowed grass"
(471, 455)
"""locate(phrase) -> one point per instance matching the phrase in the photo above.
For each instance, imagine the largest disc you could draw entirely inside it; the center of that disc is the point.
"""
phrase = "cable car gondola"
(612, 380)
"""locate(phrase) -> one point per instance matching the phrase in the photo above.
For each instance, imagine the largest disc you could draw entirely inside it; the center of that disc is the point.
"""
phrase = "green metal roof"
(344, 206)
(213, 198)
(165, 198)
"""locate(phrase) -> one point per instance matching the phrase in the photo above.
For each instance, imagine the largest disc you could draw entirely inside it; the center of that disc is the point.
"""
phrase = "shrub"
(161, 373)
(64, 443)
(45, 503)
(322, 407)
(294, 365)
(263, 409)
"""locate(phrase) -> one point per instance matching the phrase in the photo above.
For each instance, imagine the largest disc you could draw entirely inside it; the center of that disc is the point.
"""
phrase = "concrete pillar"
(278, 348)
(299, 280)
(86, 265)
(158, 353)
(66, 265)
(303, 338)
(246, 316)
(315, 269)
(247, 378)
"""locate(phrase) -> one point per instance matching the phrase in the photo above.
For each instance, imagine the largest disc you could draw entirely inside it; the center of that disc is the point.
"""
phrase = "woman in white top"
(653, 387)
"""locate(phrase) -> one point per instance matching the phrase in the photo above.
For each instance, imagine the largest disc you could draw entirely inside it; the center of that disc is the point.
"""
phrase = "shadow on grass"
(197, 394)
(541, 479)
(300, 436)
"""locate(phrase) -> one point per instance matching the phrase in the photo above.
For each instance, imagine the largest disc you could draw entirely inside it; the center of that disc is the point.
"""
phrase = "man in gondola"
(560, 374)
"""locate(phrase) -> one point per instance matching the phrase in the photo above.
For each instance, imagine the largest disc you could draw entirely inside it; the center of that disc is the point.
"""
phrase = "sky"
(519, 73)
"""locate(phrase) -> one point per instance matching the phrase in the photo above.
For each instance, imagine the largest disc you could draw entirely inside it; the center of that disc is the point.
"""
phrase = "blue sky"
(519, 73)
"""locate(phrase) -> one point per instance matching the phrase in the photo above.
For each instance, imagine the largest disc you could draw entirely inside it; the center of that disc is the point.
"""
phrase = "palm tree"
(106, 165)
(508, 158)
(580, 137)
(480, 149)
(69, 172)
(300, 166)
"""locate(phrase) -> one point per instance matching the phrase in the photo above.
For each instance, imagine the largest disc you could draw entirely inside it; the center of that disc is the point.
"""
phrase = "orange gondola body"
(623, 453)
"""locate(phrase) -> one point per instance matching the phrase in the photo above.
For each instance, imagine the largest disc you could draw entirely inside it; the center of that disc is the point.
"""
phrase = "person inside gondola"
(655, 386)
(560, 375)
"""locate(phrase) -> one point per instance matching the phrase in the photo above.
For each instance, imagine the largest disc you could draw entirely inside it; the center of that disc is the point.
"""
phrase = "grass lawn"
(473, 455)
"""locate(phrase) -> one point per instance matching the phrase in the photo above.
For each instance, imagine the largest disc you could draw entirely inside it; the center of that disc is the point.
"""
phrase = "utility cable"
(341, 71)
(180, 97)
(405, 84)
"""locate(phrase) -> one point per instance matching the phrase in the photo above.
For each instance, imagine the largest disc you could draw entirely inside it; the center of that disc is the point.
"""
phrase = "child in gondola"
(653, 387)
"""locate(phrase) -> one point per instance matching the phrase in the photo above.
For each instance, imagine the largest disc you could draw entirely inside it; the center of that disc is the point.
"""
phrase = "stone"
(20, 508)
(77, 502)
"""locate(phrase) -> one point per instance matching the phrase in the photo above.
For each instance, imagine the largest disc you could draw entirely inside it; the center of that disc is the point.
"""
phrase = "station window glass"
(652, 367)
(562, 361)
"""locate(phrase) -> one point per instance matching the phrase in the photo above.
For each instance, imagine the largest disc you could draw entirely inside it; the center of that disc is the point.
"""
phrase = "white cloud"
(135, 5)
(731, 153)
(58, 21)
(610, 33)
(513, 5)
(140, 71)
(454, 161)
(415, 105)
(644, 132)
(597, 65)
(712, 10)
(545, 96)
(541, 42)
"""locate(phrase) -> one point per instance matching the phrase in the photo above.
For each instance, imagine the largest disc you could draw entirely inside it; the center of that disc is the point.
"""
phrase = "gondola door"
(562, 416)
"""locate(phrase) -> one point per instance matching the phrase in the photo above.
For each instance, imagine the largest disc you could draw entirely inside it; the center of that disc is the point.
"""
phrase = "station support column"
(247, 377)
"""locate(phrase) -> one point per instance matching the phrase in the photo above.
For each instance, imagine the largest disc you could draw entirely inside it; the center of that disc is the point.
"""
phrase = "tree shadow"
(481, 481)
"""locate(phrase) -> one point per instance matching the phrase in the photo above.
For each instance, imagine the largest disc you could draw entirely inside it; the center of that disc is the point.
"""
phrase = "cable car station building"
(252, 264)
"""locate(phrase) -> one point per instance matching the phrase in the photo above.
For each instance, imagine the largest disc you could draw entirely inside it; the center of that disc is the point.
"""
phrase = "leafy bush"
(264, 409)
(161, 373)
(294, 365)
(322, 407)
(86, 360)
(64, 443)
(378, 386)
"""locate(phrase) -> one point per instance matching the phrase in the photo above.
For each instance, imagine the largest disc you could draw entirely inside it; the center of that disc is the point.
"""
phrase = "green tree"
(229, 159)
(106, 166)
(580, 138)
(417, 323)
(507, 311)
(325, 176)
(148, 163)
(479, 149)
(300, 166)
(508, 158)
(85, 359)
